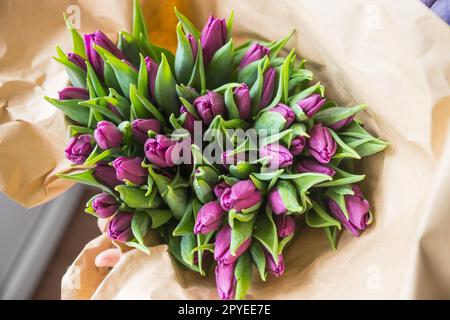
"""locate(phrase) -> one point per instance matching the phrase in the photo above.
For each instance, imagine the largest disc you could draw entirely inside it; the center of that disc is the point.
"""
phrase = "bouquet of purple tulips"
(218, 150)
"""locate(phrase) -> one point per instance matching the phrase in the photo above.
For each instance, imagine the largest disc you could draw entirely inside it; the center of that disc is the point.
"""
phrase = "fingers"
(108, 258)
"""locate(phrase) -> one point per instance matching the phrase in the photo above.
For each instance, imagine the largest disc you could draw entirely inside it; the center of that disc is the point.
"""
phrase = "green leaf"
(71, 109)
(283, 242)
(331, 233)
(184, 59)
(230, 104)
(187, 244)
(139, 225)
(343, 150)
(143, 107)
(188, 26)
(273, 121)
(177, 200)
(317, 217)
(133, 197)
(186, 224)
(278, 46)
(249, 73)
(98, 155)
(73, 130)
(220, 69)
(186, 93)
(259, 259)
(77, 76)
(243, 274)
(158, 216)
(111, 79)
(339, 199)
(342, 178)
(165, 88)
(334, 114)
(138, 246)
(230, 24)
(77, 40)
(125, 74)
(130, 47)
(86, 177)
(241, 231)
(119, 102)
(266, 232)
(198, 79)
(202, 190)
(98, 105)
(139, 25)
(99, 90)
(143, 78)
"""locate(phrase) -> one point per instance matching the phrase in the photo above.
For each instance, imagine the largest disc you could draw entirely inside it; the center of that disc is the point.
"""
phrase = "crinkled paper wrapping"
(392, 55)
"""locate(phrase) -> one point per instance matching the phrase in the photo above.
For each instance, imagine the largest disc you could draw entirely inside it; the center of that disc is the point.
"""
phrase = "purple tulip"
(100, 39)
(107, 135)
(321, 144)
(106, 174)
(276, 203)
(268, 87)
(272, 267)
(340, 124)
(209, 106)
(140, 128)
(209, 218)
(358, 212)
(213, 37)
(130, 169)
(243, 101)
(158, 151)
(152, 70)
(189, 122)
(69, 93)
(286, 112)
(442, 9)
(242, 195)
(310, 165)
(79, 148)
(77, 60)
(254, 53)
(104, 205)
(311, 104)
(278, 155)
(225, 281)
(297, 145)
(285, 225)
(193, 43)
(220, 188)
(222, 252)
(119, 228)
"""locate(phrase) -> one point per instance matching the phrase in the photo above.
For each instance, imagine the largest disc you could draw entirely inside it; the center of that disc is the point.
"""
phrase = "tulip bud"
(243, 101)
(297, 145)
(222, 252)
(213, 37)
(100, 39)
(193, 43)
(311, 104)
(79, 148)
(285, 225)
(243, 195)
(152, 70)
(268, 87)
(358, 212)
(189, 122)
(77, 60)
(277, 154)
(107, 135)
(106, 174)
(283, 198)
(119, 228)
(272, 267)
(209, 106)
(205, 178)
(321, 144)
(310, 165)
(276, 119)
(158, 151)
(220, 188)
(104, 205)
(254, 53)
(209, 218)
(225, 281)
(140, 128)
(130, 169)
(73, 93)
(342, 123)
